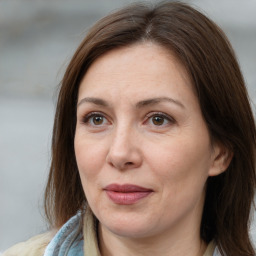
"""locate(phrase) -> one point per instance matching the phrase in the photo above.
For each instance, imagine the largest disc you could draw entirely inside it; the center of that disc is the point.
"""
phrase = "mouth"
(126, 194)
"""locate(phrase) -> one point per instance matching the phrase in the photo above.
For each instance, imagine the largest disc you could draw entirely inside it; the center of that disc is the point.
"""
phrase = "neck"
(164, 245)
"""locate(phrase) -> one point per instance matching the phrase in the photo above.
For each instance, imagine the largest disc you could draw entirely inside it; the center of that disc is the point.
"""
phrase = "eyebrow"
(95, 101)
(140, 104)
(154, 101)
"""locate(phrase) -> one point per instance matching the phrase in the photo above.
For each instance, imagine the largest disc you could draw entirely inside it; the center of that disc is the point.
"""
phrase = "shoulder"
(35, 246)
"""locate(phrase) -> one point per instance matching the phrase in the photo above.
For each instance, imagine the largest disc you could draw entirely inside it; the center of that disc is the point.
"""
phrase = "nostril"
(129, 163)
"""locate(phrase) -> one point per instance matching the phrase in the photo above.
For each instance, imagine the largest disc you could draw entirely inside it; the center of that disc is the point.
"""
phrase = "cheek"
(88, 152)
(182, 174)
(90, 157)
(181, 162)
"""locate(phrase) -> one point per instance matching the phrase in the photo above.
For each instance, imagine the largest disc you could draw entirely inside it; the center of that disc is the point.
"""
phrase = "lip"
(126, 194)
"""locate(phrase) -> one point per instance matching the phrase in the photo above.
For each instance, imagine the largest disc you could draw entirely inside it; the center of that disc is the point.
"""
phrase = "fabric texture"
(33, 247)
(77, 237)
(69, 240)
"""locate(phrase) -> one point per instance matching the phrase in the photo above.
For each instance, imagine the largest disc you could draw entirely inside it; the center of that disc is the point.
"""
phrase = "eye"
(95, 119)
(159, 119)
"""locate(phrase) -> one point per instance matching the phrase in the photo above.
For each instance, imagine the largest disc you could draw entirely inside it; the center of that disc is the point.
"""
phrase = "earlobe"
(221, 159)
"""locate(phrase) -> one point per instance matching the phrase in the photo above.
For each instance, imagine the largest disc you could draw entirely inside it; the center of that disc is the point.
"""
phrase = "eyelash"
(166, 117)
(86, 119)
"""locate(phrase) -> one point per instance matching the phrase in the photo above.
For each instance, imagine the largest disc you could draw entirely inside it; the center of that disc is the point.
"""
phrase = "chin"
(131, 232)
(128, 227)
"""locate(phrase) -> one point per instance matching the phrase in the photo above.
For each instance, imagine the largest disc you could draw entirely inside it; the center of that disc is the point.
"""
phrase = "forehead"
(144, 68)
(133, 56)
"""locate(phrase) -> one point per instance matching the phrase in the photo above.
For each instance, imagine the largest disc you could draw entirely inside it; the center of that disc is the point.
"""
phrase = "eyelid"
(164, 115)
(86, 117)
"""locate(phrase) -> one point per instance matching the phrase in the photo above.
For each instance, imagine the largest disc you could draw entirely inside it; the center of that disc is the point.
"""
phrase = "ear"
(221, 158)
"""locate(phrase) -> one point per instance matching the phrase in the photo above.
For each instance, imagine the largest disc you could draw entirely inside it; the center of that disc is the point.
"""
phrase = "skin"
(162, 144)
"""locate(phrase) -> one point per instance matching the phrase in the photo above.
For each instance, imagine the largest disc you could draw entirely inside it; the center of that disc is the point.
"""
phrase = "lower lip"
(127, 198)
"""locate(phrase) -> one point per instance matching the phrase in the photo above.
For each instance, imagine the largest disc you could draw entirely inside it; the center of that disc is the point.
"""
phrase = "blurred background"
(37, 40)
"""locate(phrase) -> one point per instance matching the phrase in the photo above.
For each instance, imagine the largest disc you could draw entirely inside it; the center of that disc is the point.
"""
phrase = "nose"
(124, 152)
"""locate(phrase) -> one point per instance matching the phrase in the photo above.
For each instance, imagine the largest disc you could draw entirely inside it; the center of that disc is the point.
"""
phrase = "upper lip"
(126, 188)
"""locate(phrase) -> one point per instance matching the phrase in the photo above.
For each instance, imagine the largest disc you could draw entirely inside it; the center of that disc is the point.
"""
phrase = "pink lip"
(126, 194)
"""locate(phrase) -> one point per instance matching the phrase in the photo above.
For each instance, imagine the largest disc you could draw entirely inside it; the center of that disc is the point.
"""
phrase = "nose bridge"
(124, 149)
(123, 140)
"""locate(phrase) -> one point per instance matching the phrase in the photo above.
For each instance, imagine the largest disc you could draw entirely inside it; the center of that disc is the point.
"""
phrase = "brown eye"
(95, 119)
(98, 120)
(158, 120)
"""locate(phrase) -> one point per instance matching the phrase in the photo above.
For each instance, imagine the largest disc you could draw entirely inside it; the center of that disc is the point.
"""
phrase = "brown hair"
(209, 59)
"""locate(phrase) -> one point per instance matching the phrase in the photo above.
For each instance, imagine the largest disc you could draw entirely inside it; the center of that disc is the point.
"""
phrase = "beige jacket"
(33, 247)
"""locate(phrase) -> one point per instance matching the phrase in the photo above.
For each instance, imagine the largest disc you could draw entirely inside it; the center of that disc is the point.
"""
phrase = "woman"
(153, 149)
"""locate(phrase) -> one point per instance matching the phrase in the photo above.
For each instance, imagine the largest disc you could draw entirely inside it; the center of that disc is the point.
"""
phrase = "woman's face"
(142, 147)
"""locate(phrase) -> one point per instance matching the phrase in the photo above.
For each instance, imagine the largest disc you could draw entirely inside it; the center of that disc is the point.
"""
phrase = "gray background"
(37, 39)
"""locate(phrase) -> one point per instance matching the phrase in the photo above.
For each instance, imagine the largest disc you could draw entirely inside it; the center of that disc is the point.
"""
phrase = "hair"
(209, 59)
